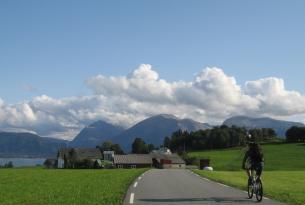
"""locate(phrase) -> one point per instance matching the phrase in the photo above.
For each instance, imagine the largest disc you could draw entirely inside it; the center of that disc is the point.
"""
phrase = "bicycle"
(255, 186)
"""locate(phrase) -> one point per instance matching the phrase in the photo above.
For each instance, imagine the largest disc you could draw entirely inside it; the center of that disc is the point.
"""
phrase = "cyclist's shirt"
(253, 160)
(255, 157)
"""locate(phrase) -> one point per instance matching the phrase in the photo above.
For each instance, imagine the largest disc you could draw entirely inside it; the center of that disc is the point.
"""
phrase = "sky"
(64, 64)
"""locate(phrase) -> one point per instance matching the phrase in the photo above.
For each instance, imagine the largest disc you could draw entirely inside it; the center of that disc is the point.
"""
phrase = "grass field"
(35, 186)
(283, 176)
(286, 186)
(288, 157)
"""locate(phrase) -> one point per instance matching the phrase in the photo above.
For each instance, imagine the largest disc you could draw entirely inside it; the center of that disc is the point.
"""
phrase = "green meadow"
(283, 176)
(37, 186)
(289, 157)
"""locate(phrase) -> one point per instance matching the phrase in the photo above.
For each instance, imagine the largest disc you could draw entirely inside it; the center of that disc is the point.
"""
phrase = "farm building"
(158, 160)
(92, 158)
(167, 161)
(108, 155)
(79, 158)
(132, 161)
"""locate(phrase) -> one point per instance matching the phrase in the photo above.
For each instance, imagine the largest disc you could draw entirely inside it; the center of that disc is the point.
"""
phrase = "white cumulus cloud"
(210, 97)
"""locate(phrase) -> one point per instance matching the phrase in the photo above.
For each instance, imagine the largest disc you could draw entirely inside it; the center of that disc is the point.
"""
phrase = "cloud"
(124, 100)
(274, 99)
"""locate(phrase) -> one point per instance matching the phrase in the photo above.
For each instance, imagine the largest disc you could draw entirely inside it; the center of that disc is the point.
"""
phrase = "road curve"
(182, 187)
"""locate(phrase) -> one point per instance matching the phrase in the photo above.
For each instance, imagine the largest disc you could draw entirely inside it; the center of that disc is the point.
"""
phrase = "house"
(79, 158)
(108, 155)
(162, 150)
(167, 161)
(132, 161)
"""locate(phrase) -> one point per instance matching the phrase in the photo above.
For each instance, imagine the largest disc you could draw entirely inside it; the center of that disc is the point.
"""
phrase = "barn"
(132, 161)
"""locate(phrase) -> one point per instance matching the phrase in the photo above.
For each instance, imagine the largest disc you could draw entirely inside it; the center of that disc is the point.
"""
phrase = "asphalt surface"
(174, 186)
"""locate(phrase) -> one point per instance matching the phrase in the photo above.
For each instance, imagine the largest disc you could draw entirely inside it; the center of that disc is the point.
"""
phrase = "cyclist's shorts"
(258, 167)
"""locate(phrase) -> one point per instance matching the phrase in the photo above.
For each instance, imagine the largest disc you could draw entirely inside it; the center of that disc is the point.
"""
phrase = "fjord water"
(23, 162)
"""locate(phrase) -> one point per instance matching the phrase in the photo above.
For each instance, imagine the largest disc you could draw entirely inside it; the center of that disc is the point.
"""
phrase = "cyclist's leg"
(248, 173)
(259, 170)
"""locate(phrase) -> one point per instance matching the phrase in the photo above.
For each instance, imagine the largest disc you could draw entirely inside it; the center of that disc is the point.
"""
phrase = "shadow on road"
(211, 199)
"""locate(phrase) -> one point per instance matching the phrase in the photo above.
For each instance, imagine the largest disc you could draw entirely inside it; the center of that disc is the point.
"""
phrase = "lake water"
(23, 162)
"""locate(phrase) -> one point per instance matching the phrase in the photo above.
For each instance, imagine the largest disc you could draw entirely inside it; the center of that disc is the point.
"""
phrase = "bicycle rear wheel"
(259, 192)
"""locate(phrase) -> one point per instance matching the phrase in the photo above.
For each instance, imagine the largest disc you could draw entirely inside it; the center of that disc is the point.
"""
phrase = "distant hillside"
(279, 126)
(154, 129)
(95, 133)
(28, 145)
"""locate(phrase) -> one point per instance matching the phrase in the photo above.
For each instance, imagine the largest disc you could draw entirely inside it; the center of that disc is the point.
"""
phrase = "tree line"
(216, 138)
(138, 147)
(295, 134)
(109, 146)
(7, 165)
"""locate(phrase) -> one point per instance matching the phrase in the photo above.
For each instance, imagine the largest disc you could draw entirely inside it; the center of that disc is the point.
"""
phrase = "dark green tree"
(109, 146)
(139, 146)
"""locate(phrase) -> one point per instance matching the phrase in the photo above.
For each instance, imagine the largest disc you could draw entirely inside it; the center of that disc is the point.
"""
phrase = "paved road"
(169, 186)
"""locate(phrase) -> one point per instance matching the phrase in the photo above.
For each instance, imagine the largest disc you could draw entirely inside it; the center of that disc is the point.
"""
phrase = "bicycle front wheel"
(250, 191)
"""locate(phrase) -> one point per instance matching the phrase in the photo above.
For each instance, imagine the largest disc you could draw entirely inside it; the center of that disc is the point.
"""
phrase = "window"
(133, 166)
(120, 166)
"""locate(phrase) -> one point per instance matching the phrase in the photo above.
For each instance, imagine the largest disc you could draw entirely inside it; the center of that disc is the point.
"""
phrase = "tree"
(48, 163)
(166, 142)
(106, 145)
(117, 149)
(139, 146)
(9, 165)
(295, 134)
(109, 146)
(150, 147)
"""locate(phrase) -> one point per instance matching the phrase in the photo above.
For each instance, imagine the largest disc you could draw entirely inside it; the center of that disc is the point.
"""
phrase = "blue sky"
(205, 60)
(54, 46)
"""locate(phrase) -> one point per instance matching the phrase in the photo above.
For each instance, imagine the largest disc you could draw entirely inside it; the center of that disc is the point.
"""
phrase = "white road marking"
(135, 184)
(266, 198)
(139, 178)
(245, 192)
(131, 198)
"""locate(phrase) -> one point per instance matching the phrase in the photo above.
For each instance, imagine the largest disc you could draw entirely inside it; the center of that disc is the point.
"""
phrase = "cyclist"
(253, 161)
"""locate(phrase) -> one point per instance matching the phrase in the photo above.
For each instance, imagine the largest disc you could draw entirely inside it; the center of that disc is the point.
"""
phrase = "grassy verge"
(285, 186)
(57, 187)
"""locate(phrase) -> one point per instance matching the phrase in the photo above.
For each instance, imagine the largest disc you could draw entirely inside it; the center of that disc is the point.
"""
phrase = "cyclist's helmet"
(251, 140)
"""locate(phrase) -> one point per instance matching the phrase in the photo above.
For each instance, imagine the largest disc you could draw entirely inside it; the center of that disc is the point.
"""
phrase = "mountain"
(279, 126)
(28, 145)
(153, 130)
(95, 133)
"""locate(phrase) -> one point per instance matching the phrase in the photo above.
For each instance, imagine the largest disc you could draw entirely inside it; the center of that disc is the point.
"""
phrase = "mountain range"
(279, 126)
(152, 130)
(28, 145)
